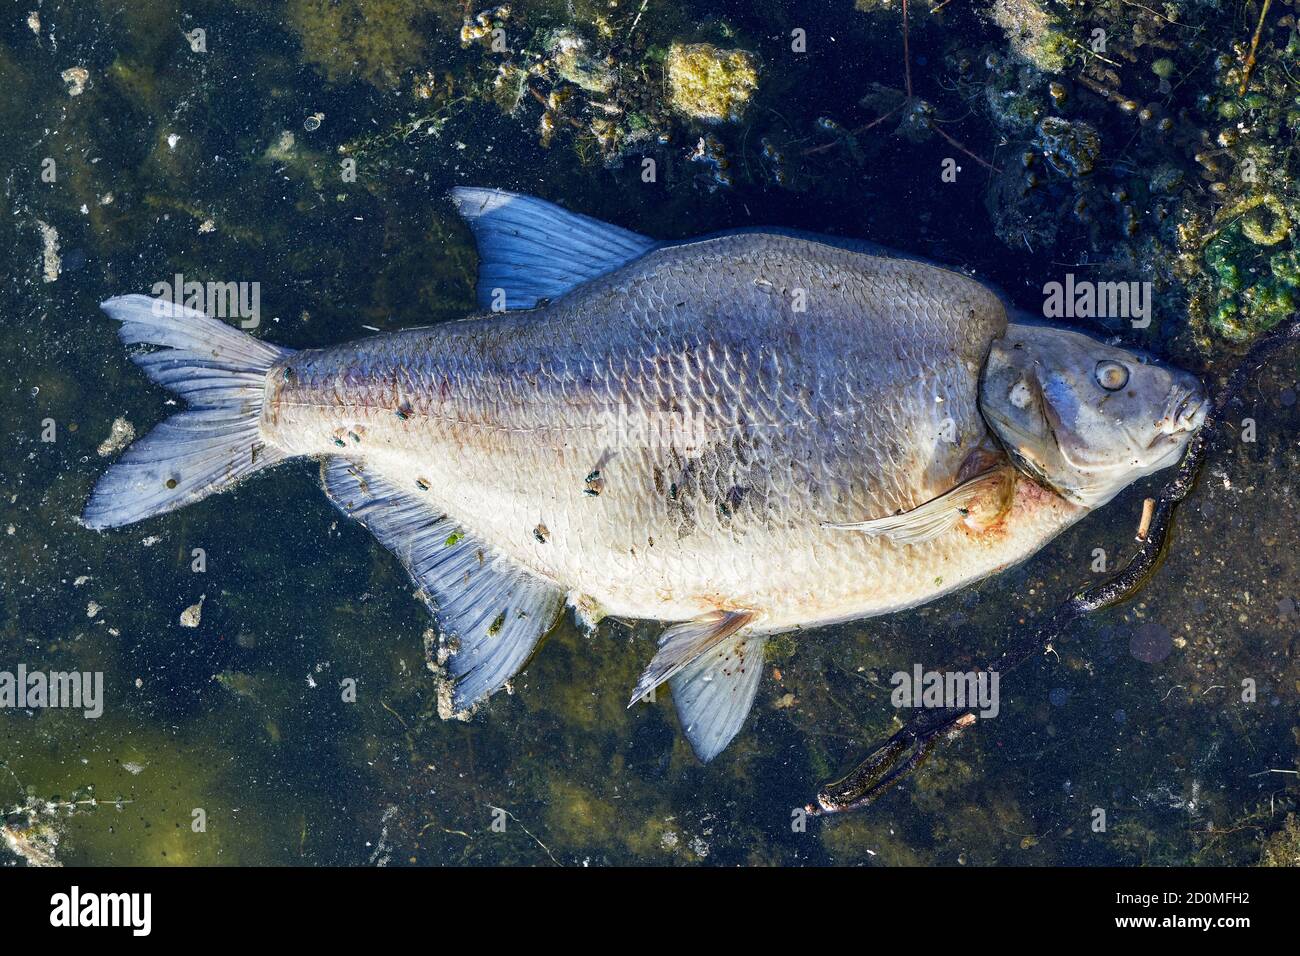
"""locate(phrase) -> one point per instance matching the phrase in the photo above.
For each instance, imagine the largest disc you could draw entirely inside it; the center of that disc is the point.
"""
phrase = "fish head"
(1085, 418)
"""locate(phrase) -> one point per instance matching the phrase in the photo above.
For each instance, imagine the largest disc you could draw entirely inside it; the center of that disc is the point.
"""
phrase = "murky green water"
(229, 163)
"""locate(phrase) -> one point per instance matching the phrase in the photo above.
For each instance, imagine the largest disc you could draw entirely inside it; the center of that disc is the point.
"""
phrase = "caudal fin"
(221, 373)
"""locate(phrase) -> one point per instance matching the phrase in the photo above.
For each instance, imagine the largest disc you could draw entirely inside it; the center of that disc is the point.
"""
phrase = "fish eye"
(1112, 376)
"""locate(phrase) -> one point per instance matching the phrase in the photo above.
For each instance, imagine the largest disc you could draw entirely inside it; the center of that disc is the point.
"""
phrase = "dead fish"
(790, 430)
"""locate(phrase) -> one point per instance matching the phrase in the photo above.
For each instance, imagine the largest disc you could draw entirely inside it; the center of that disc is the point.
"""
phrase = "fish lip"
(1194, 418)
(1186, 414)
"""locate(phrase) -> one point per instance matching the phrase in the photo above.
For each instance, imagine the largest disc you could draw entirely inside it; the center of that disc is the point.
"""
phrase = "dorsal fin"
(495, 611)
(530, 249)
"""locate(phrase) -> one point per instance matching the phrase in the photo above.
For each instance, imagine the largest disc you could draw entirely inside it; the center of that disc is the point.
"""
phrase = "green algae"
(1256, 286)
(709, 84)
(1283, 847)
(378, 41)
(1035, 33)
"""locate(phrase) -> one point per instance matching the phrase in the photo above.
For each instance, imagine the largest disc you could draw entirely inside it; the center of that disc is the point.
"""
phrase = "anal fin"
(495, 611)
(976, 503)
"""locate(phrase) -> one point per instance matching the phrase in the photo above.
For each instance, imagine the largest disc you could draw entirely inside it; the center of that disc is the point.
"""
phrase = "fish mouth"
(1185, 412)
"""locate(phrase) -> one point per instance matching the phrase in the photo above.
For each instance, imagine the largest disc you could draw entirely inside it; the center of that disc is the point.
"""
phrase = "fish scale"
(730, 428)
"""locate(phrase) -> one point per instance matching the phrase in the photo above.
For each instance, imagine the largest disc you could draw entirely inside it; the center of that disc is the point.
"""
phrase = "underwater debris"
(1283, 847)
(1248, 65)
(587, 611)
(238, 683)
(710, 84)
(568, 55)
(438, 650)
(377, 41)
(1034, 34)
(711, 154)
(31, 830)
(51, 262)
(34, 844)
(283, 149)
(481, 27)
(192, 615)
(1264, 220)
(774, 162)
(1072, 148)
(120, 435)
(508, 87)
(76, 78)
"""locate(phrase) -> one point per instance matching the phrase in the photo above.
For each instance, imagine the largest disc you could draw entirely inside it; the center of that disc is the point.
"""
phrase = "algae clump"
(710, 84)
(1255, 289)
(1283, 847)
(377, 40)
(1033, 33)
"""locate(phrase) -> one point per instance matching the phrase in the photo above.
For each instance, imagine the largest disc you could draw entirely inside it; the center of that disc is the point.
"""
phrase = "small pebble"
(191, 616)
(120, 435)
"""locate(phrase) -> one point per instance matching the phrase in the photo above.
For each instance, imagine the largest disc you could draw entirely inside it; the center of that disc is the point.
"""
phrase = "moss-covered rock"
(710, 84)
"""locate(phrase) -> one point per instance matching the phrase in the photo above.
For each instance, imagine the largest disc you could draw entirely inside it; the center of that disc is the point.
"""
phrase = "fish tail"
(221, 373)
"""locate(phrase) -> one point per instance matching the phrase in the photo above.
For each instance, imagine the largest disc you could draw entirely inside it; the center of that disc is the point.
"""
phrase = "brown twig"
(907, 55)
(983, 162)
(811, 150)
(1254, 48)
(1144, 525)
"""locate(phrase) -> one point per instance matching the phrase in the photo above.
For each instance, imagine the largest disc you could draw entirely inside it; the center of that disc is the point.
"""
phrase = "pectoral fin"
(976, 503)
